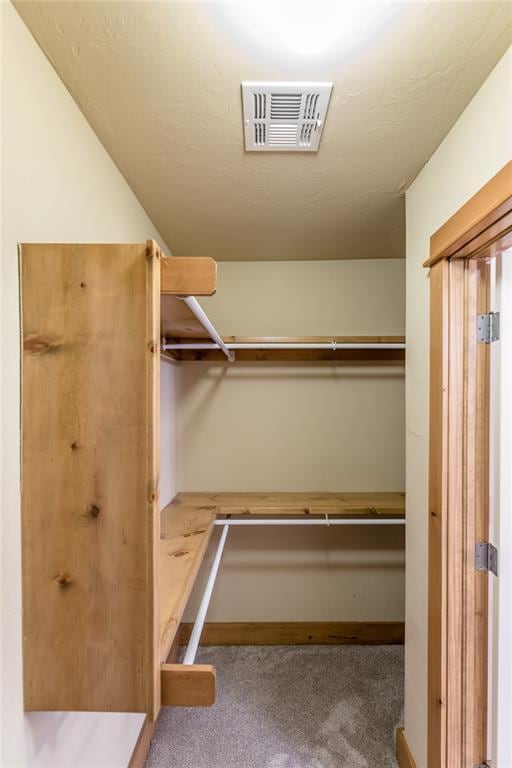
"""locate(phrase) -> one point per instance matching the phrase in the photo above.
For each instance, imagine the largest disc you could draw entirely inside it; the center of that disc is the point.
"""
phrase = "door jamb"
(458, 472)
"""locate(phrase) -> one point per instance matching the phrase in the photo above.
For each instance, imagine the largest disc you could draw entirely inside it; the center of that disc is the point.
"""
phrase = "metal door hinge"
(486, 557)
(488, 327)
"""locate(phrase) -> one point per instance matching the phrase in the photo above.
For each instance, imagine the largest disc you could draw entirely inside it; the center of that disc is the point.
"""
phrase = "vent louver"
(260, 134)
(306, 133)
(260, 106)
(285, 106)
(282, 135)
(284, 117)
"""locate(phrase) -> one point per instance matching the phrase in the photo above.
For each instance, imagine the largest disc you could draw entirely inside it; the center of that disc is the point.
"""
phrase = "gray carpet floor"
(289, 707)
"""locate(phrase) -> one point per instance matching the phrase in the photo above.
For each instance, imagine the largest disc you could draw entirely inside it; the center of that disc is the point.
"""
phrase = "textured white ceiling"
(160, 84)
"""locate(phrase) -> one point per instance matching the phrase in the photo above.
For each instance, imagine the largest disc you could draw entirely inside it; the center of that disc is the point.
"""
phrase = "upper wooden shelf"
(179, 277)
(190, 277)
(187, 276)
(178, 322)
(180, 329)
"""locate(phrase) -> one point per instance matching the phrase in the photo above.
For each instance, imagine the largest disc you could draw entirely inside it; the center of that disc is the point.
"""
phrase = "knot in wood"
(63, 581)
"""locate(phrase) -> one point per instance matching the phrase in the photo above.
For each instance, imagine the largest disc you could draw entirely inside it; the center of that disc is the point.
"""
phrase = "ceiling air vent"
(284, 117)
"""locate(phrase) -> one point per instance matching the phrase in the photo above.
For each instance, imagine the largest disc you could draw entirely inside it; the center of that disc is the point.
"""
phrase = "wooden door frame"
(460, 252)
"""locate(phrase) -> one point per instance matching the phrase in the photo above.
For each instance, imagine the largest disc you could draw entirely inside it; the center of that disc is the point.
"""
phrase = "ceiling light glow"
(306, 28)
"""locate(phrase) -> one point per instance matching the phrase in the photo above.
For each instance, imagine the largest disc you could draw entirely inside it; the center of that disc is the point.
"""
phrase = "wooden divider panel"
(89, 490)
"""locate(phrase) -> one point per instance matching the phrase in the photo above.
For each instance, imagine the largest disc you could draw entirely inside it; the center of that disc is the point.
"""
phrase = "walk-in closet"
(238, 493)
(255, 362)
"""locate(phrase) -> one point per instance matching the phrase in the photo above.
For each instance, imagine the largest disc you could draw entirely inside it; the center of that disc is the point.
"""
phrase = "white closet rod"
(195, 637)
(332, 345)
(194, 306)
(326, 520)
(193, 643)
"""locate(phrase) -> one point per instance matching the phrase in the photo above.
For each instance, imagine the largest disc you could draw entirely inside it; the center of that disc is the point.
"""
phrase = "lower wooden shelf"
(186, 527)
(187, 524)
(385, 504)
(184, 536)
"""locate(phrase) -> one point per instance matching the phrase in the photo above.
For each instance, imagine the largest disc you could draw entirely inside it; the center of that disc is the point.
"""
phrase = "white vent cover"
(284, 117)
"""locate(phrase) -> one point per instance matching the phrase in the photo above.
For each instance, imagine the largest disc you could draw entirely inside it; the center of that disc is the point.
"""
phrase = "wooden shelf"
(181, 277)
(188, 276)
(334, 504)
(173, 325)
(184, 277)
(177, 321)
(186, 528)
(184, 536)
(187, 524)
(180, 326)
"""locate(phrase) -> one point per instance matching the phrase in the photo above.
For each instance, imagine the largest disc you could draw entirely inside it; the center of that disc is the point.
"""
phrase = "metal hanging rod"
(195, 637)
(326, 521)
(332, 345)
(197, 310)
(193, 643)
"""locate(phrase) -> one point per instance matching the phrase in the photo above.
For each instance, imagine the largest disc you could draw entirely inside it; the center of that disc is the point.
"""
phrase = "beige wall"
(308, 298)
(276, 427)
(261, 427)
(290, 428)
(59, 185)
(478, 145)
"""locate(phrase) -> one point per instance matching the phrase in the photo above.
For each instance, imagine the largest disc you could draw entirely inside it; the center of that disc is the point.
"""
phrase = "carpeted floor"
(289, 707)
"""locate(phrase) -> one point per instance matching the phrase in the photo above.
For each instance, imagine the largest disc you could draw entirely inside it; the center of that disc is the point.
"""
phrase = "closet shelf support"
(194, 306)
(190, 653)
